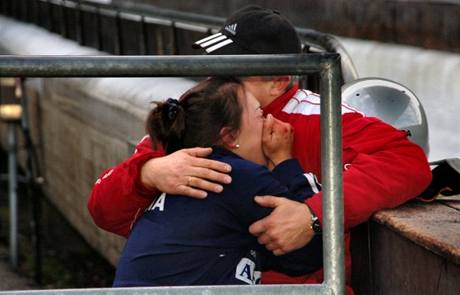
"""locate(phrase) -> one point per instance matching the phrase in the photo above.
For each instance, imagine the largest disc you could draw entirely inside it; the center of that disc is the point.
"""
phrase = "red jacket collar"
(277, 105)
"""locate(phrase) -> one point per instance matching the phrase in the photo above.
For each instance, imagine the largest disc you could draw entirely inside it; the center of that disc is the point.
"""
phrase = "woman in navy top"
(184, 241)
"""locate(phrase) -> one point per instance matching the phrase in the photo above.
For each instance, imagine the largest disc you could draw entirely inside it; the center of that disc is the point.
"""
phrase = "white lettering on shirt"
(159, 203)
(245, 271)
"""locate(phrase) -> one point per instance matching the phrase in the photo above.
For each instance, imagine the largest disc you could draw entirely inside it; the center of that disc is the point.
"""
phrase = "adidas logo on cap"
(231, 29)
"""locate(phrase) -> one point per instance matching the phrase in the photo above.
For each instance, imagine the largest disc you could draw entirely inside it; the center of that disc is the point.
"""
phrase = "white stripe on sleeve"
(313, 181)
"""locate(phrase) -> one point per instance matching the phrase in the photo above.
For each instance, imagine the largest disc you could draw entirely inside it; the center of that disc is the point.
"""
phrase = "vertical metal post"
(143, 37)
(31, 172)
(79, 24)
(119, 35)
(62, 20)
(174, 37)
(50, 15)
(99, 35)
(331, 163)
(12, 192)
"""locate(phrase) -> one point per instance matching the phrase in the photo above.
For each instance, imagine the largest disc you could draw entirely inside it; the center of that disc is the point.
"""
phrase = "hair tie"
(172, 105)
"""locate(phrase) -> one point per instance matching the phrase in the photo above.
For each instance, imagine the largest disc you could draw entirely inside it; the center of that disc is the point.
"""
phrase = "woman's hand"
(186, 172)
(277, 140)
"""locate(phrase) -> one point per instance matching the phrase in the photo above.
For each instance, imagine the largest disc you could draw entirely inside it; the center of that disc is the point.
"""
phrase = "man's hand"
(286, 229)
(277, 139)
(185, 172)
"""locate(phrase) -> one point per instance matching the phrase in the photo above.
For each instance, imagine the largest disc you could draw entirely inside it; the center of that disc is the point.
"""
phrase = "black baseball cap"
(253, 30)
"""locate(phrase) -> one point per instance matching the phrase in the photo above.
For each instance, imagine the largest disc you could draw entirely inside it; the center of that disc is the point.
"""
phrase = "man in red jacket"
(382, 168)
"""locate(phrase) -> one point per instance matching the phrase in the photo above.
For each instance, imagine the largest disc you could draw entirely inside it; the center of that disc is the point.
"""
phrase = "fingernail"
(227, 179)
(203, 195)
(218, 188)
(228, 168)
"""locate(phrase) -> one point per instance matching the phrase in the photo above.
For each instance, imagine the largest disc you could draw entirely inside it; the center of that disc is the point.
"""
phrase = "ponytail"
(166, 125)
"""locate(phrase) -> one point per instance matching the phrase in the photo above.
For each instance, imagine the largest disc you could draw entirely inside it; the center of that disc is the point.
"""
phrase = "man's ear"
(279, 85)
(228, 138)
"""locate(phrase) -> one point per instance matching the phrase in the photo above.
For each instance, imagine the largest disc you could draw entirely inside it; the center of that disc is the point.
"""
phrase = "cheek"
(258, 130)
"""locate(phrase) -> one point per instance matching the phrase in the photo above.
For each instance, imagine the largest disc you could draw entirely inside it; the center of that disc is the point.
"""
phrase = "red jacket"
(382, 169)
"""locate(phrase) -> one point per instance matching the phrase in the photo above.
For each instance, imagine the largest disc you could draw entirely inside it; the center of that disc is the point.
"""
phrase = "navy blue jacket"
(185, 241)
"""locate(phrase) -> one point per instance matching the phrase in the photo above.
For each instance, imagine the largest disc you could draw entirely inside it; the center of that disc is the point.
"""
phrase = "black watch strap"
(315, 224)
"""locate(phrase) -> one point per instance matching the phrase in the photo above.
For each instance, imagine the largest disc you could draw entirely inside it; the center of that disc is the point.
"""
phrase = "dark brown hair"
(195, 120)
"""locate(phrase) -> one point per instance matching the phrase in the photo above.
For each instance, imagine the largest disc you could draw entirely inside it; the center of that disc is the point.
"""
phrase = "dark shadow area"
(67, 260)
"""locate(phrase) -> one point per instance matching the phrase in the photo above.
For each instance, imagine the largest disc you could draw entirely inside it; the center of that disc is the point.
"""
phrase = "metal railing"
(328, 66)
(86, 23)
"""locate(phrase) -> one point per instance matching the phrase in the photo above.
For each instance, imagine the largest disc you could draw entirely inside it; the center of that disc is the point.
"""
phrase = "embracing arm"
(383, 169)
(122, 193)
(295, 187)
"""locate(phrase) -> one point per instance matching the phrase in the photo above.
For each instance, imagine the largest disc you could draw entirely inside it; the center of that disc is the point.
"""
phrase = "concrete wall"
(82, 126)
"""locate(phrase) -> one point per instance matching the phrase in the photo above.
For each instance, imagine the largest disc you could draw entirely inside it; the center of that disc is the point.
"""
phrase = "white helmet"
(391, 102)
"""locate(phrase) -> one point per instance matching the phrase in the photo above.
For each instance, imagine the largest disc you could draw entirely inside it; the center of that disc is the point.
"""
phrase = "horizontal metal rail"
(328, 65)
(161, 66)
(189, 290)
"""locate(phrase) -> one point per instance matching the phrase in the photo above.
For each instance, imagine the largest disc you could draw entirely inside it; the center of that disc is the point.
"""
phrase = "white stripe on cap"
(207, 38)
(218, 45)
(215, 40)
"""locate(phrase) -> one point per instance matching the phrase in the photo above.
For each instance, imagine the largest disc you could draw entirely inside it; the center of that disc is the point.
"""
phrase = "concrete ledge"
(434, 226)
(414, 249)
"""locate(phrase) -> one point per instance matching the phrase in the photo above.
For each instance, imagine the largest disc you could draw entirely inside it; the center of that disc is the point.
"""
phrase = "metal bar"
(119, 35)
(174, 38)
(245, 65)
(79, 24)
(143, 37)
(161, 66)
(189, 290)
(12, 193)
(31, 173)
(331, 161)
(99, 34)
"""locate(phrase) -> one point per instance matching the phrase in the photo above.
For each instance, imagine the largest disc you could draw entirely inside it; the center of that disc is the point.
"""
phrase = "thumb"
(198, 151)
(267, 128)
(267, 201)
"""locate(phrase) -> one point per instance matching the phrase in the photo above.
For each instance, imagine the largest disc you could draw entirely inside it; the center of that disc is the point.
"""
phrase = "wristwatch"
(315, 224)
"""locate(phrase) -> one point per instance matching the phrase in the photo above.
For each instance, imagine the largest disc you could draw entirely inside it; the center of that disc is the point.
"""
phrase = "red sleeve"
(382, 169)
(118, 198)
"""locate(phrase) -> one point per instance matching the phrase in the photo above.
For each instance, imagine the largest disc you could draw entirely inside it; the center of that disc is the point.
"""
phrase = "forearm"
(118, 197)
(300, 185)
(385, 179)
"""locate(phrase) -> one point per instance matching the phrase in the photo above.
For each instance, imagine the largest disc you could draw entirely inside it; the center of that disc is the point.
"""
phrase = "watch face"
(316, 226)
